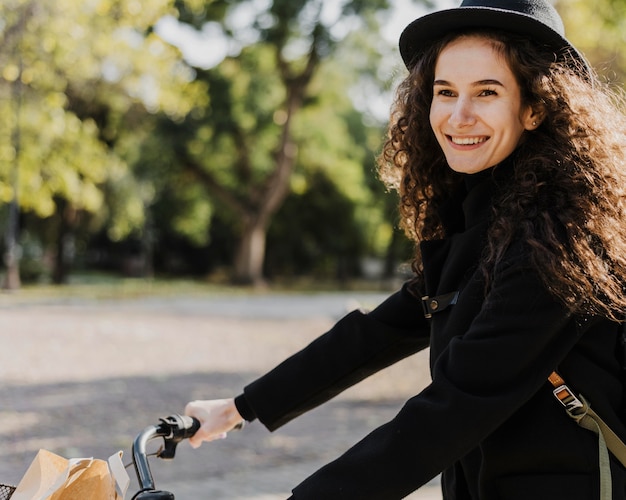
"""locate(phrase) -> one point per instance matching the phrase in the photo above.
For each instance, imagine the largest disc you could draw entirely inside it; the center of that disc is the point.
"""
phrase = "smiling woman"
(477, 114)
(509, 156)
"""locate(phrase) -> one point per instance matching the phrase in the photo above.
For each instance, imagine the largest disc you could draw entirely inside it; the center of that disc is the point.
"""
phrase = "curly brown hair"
(567, 197)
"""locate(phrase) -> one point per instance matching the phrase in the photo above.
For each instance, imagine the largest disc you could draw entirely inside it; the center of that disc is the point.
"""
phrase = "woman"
(510, 160)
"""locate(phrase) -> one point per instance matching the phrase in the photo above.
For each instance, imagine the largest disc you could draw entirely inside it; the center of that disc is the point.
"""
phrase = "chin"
(467, 170)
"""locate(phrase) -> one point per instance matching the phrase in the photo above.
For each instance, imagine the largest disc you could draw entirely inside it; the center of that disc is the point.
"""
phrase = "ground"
(81, 377)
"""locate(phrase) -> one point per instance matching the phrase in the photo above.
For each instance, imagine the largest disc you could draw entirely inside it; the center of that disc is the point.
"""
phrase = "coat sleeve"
(357, 346)
(480, 379)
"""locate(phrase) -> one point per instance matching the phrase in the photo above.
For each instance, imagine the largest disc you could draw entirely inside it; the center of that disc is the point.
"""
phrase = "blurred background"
(176, 178)
(161, 163)
(226, 140)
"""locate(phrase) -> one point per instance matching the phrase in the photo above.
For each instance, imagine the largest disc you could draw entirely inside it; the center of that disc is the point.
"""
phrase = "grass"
(103, 287)
(107, 287)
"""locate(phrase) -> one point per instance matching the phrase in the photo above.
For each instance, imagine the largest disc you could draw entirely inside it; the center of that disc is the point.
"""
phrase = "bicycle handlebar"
(173, 430)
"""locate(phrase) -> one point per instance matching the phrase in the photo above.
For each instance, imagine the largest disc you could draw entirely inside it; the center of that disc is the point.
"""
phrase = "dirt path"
(82, 378)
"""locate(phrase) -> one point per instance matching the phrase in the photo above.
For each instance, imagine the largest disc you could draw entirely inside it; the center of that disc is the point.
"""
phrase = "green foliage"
(292, 93)
(597, 29)
(72, 75)
(233, 143)
(316, 233)
(104, 129)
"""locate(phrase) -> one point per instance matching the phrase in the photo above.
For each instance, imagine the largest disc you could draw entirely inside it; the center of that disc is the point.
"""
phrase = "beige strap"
(581, 412)
(591, 421)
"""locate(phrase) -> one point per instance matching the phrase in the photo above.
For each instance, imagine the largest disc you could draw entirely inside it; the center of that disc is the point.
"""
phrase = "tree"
(90, 77)
(249, 141)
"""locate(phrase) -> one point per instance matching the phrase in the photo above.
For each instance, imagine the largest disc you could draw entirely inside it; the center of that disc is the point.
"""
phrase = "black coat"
(488, 420)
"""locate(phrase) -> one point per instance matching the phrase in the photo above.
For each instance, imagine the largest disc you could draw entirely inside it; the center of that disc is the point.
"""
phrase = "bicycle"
(172, 429)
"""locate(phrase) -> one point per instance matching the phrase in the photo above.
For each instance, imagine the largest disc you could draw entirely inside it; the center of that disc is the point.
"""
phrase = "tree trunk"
(11, 257)
(68, 219)
(250, 254)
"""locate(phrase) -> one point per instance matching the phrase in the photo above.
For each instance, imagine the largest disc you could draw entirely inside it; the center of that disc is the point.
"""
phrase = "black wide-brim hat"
(536, 19)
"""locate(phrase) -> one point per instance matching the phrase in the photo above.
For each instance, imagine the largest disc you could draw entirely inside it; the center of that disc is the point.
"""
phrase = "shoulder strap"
(581, 412)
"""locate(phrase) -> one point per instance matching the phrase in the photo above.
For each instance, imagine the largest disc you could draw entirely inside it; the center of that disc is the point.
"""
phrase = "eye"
(444, 92)
(487, 92)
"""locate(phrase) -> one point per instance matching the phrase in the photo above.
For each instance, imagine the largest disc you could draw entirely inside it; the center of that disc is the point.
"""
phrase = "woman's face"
(477, 113)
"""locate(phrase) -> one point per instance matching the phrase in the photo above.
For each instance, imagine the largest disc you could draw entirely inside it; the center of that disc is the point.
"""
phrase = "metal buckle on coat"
(432, 305)
(568, 399)
(566, 396)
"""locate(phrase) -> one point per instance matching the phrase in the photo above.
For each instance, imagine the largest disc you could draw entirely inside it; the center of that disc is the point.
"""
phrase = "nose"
(462, 115)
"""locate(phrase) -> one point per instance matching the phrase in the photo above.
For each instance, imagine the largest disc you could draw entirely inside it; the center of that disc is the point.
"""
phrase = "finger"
(195, 443)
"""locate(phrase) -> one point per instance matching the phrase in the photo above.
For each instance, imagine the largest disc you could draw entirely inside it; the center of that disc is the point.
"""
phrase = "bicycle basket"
(6, 491)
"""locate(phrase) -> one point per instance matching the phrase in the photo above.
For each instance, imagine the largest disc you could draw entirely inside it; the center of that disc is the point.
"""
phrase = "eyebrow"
(489, 81)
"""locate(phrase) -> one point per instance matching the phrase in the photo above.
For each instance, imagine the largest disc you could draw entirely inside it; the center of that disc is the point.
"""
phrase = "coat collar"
(472, 201)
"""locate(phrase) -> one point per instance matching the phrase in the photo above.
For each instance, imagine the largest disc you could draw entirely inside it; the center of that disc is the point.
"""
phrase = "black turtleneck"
(472, 201)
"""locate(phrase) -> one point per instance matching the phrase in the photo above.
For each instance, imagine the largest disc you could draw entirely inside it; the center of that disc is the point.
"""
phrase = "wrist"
(235, 419)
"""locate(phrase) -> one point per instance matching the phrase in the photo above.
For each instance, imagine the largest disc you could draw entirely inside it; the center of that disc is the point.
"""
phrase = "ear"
(533, 116)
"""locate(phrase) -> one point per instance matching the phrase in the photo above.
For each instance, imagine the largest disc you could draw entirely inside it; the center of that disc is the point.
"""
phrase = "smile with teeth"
(467, 141)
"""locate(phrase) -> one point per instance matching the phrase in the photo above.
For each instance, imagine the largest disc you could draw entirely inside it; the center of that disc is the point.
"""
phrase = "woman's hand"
(216, 416)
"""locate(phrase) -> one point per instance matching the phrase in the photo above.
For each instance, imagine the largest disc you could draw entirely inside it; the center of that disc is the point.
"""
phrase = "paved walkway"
(82, 378)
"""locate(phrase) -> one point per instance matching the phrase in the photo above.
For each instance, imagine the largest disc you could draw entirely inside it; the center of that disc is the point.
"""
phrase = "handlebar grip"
(175, 429)
(178, 427)
(191, 425)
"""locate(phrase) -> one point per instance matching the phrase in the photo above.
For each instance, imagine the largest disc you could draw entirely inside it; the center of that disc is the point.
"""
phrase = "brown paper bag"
(51, 477)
